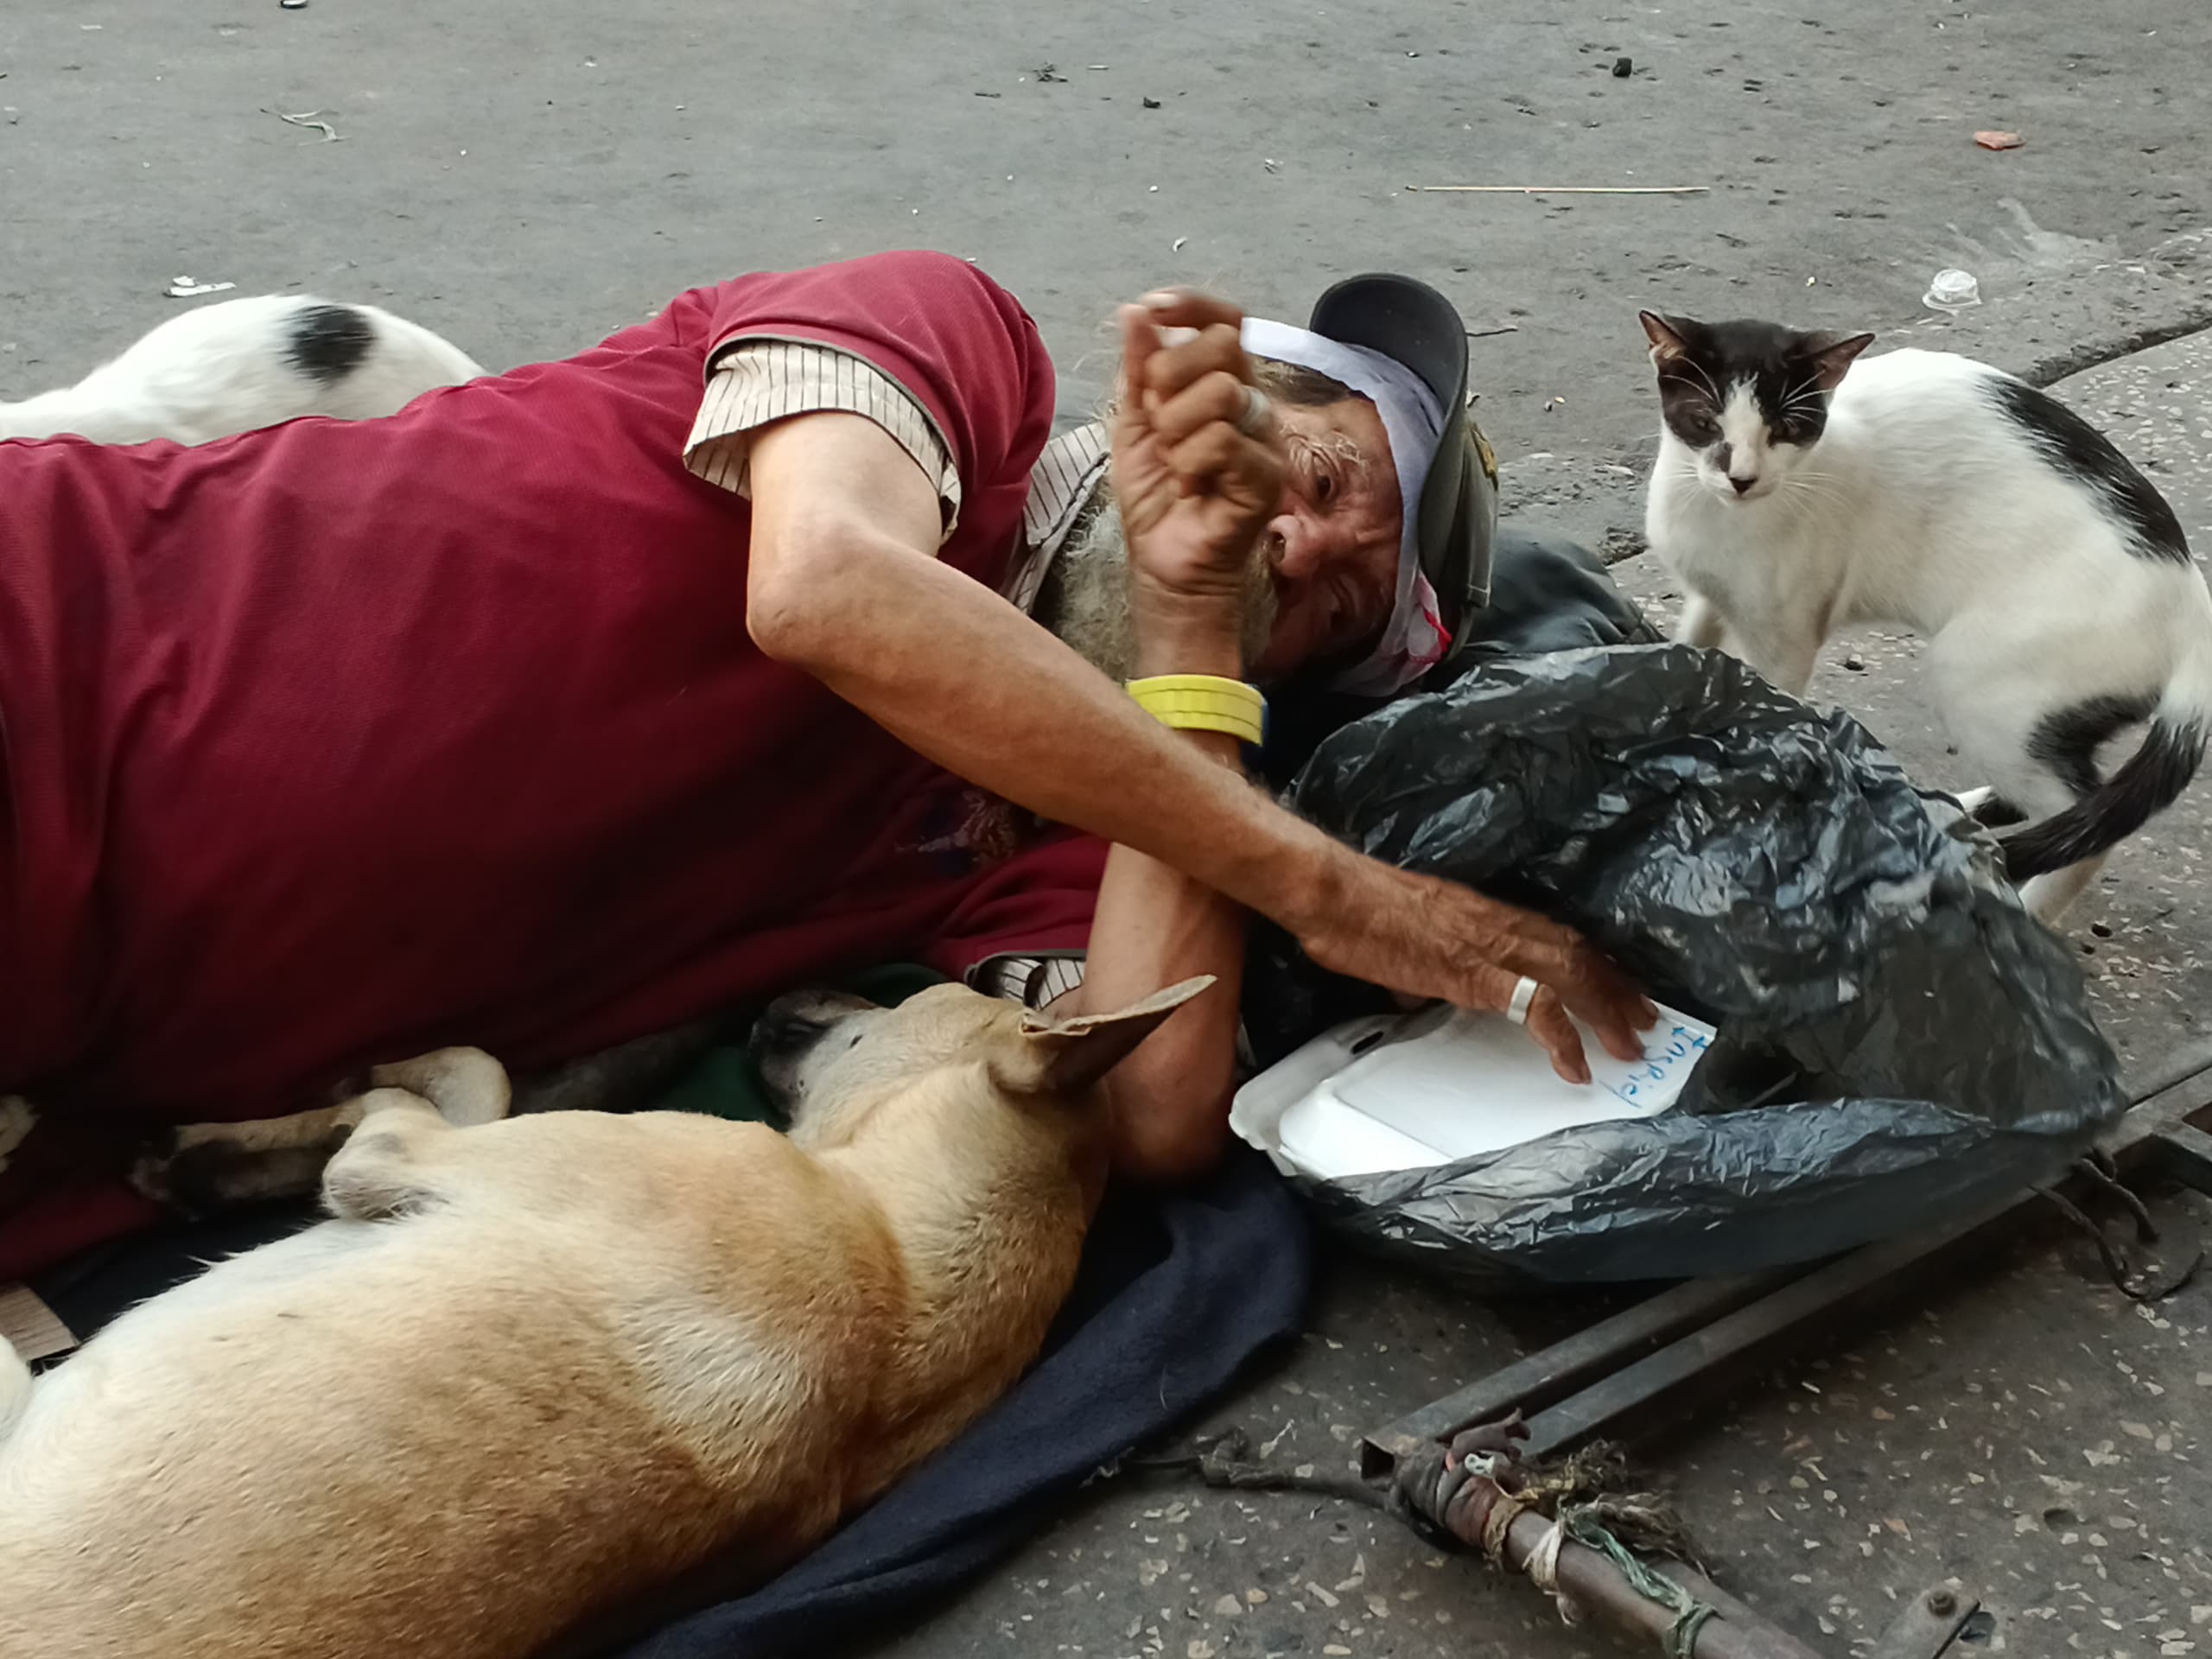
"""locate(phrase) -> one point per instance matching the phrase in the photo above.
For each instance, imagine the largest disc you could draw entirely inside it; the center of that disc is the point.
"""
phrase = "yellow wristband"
(1204, 703)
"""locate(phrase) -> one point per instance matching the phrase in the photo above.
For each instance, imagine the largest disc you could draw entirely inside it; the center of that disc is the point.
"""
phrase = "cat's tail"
(2143, 785)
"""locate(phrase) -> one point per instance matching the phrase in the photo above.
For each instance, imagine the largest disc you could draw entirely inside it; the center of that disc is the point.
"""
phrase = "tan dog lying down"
(537, 1367)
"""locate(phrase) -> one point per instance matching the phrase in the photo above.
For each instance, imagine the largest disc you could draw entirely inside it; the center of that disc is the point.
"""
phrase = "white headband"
(1415, 638)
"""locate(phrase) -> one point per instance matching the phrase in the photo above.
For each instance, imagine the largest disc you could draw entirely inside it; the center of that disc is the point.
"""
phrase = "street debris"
(1048, 73)
(1624, 67)
(1994, 140)
(1150, 103)
(185, 288)
(293, 5)
(1564, 189)
(1952, 289)
(312, 120)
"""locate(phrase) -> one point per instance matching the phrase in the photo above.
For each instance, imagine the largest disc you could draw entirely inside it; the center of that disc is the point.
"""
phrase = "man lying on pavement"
(568, 705)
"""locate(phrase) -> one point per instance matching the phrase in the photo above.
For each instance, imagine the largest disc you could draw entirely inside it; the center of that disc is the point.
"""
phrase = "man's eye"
(1324, 486)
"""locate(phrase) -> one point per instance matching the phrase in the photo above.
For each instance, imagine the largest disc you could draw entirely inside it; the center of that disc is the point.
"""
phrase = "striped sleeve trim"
(33, 1329)
(1033, 981)
(1038, 981)
(1061, 485)
(756, 381)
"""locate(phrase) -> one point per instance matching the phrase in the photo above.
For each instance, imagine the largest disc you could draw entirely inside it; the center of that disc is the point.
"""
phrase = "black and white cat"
(244, 364)
(1798, 492)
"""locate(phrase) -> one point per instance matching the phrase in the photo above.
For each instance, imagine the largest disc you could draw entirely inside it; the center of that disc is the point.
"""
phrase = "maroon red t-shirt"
(343, 741)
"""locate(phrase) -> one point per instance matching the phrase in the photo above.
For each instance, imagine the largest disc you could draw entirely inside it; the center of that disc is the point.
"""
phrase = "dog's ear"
(1065, 1056)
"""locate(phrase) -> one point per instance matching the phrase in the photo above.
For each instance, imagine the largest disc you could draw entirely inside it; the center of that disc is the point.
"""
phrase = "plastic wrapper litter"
(1898, 1038)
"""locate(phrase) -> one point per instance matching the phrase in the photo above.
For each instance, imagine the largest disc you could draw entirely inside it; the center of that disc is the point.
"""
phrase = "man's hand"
(1422, 937)
(842, 583)
(1194, 487)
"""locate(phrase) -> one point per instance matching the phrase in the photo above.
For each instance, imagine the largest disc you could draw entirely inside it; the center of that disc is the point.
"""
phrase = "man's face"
(1332, 548)
(1324, 576)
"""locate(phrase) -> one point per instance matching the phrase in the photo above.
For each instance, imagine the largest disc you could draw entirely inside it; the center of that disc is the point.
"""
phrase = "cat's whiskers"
(1711, 389)
(1806, 491)
(1805, 391)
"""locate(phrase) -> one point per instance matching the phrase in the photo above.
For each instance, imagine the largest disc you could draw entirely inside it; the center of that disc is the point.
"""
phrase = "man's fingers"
(1600, 996)
(1548, 1024)
(1186, 307)
(1615, 1027)
(1215, 457)
(1490, 987)
(1140, 341)
(1170, 369)
(1219, 395)
(1603, 999)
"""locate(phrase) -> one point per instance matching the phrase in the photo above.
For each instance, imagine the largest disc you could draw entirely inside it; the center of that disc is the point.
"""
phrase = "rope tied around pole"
(1690, 1614)
(1474, 1493)
(1586, 1498)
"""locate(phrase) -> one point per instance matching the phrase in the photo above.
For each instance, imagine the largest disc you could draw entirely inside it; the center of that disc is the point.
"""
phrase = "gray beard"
(1084, 599)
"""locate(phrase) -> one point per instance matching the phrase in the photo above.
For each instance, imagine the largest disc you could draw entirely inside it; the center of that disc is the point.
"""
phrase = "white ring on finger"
(1253, 420)
(1524, 993)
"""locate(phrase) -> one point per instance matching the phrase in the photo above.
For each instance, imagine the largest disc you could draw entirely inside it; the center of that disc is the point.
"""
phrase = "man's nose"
(1294, 549)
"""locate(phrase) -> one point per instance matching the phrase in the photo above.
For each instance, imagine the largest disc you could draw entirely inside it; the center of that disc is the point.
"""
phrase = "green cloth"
(724, 1082)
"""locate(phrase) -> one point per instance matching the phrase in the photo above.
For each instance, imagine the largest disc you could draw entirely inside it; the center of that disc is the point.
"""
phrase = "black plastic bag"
(1898, 1037)
(1546, 593)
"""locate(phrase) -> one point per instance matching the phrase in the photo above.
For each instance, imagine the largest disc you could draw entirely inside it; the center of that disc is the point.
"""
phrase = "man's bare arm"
(967, 680)
(842, 583)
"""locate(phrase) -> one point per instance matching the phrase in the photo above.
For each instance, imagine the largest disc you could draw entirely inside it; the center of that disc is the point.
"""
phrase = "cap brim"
(1457, 522)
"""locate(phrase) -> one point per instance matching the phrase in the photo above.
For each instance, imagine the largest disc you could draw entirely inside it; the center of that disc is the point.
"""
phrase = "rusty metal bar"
(1462, 1504)
(1552, 1373)
(1646, 1365)
(1717, 1357)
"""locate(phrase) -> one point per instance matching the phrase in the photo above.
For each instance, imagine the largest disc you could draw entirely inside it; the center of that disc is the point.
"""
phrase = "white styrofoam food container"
(1413, 1092)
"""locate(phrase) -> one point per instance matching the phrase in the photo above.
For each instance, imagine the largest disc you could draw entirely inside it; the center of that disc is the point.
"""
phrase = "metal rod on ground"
(1588, 1357)
(1462, 1503)
(1652, 1362)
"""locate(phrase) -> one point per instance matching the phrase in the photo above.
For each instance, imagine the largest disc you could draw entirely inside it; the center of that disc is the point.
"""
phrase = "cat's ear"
(1832, 354)
(1666, 334)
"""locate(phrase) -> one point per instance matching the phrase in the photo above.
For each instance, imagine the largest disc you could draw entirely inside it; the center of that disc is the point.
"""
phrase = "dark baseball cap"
(1457, 522)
